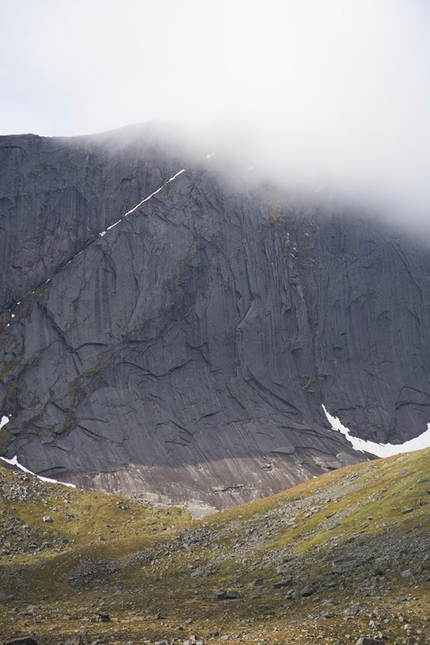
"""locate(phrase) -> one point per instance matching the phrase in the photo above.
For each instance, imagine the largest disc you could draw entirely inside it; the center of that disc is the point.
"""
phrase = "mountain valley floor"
(341, 558)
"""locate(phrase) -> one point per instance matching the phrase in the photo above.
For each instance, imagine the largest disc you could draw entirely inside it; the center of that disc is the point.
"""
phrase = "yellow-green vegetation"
(5, 435)
(47, 518)
(340, 557)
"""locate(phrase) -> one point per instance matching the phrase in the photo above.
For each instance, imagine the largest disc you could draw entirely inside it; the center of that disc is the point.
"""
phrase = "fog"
(332, 93)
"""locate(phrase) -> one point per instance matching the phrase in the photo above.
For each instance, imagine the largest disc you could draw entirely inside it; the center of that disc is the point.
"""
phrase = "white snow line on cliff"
(133, 210)
(380, 449)
(113, 225)
(136, 208)
(130, 212)
(14, 462)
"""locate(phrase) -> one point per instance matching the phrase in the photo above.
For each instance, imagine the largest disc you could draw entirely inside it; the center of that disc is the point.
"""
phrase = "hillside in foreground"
(340, 558)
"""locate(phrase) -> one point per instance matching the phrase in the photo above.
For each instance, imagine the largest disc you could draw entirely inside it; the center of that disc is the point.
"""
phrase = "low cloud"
(331, 93)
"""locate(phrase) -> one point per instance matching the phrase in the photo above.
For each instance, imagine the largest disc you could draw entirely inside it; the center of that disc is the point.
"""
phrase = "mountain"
(171, 325)
(342, 558)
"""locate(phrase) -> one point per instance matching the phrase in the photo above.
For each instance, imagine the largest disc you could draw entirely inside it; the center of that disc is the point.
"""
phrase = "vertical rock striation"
(185, 354)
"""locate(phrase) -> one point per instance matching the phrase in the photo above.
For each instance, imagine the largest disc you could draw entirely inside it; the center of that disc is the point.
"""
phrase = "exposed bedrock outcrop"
(57, 194)
(186, 353)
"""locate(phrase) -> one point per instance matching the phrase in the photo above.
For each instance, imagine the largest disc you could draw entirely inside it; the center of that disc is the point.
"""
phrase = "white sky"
(337, 89)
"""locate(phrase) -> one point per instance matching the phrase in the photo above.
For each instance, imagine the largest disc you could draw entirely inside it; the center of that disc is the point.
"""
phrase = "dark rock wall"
(188, 351)
(57, 194)
(373, 336)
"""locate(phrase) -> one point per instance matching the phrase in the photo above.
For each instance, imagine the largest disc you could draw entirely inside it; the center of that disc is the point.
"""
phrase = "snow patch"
(103, 233)
(380, 449)
(136, 208)
(14, 462)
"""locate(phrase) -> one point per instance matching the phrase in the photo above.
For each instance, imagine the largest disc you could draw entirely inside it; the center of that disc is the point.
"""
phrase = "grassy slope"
(354, 540)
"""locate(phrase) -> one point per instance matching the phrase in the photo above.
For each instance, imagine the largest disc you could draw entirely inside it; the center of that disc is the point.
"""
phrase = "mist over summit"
(335, 94)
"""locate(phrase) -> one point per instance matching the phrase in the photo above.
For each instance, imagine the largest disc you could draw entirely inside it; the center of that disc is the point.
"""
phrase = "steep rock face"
(185, 354)
(57, 194)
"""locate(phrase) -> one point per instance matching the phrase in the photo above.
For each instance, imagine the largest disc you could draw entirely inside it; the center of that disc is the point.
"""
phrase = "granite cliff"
(181, 347)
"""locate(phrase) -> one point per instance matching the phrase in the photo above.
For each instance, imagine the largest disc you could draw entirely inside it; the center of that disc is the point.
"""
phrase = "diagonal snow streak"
(140, 204)
(380, 449)
(130, 212)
